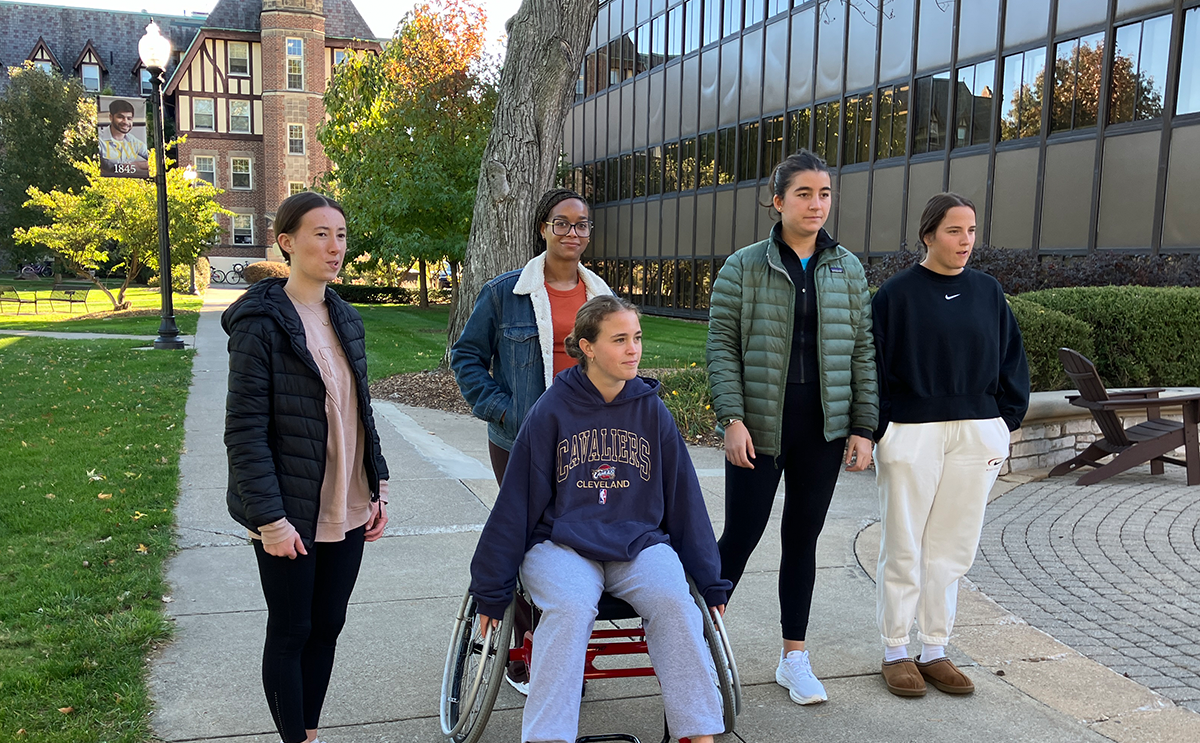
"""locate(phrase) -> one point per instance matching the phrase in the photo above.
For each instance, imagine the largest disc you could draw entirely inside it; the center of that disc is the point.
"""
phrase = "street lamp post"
(155, 51)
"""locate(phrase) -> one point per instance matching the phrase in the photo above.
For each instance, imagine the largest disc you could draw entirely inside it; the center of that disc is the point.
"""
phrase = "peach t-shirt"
(563, 307)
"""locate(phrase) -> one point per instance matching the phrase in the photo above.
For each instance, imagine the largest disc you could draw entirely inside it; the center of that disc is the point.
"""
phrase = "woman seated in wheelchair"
(600, 495)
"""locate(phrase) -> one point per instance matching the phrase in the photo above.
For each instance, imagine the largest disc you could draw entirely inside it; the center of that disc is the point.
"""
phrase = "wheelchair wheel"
(473, 673)
(728, 681)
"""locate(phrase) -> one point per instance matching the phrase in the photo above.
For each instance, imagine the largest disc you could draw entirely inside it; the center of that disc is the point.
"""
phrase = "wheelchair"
(476, 662)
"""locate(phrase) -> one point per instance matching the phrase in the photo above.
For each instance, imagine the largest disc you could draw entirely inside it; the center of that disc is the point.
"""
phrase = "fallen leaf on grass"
(102, 541)
(104, 496)
(142, 549)
(167, 599)
(92, 476)
(137, 515)
(50, 496)
(66, 710)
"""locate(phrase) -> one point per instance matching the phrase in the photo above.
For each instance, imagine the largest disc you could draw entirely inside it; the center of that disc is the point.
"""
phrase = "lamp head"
(154, 48)
(190, 173)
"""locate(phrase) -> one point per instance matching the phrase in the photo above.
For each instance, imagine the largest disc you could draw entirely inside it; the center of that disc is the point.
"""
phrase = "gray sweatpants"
(566, 587)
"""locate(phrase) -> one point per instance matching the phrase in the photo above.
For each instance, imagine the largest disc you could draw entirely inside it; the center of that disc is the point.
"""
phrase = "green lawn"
(90, 440)
(403, 339)
(143, 320)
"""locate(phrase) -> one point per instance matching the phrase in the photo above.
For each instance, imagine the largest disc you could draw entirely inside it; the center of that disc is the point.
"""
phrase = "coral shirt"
(563, 307)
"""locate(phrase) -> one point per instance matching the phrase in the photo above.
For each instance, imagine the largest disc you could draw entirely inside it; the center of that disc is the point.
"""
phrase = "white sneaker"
(522, 687)
(795, 674)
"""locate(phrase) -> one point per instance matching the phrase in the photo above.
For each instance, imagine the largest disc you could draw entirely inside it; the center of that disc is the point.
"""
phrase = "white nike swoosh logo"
(952, 296)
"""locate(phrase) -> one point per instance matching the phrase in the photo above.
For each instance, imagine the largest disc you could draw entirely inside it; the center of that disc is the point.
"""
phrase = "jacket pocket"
(521, 346)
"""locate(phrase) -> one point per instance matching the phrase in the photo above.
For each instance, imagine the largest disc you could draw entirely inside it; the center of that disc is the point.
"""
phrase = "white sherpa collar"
(532, 282)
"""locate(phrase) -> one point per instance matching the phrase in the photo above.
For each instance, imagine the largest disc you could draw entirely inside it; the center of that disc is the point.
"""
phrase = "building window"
(639, 174)
(614, 62)
(1077, 67)
(799, 127)
(711, 19)
(658, 41)
(671, 167)
(973, 109)
(691, 26)
(825, 126)
(1189, 65)
(689, 165)
(1139, 70)
(726, 155)
(147, 84)
(295, 139)
(595, 175)
(239, 57)
(755, 10)
(674, 41)
(613, 170)
(706, 159)
(1021, 108)
(626, 173)
(240, 173)
(891, 135)
(339, 56)
(239, 117)
(772, 145)
(654, 161)
(243, 229)
(731, 19)
(931, 112)
(202, 114)
(295, 64)
(44, 66)
(748, 152)
(91, 77)
(295, 187)
(206, 168)
(857, 144)
(775, 7)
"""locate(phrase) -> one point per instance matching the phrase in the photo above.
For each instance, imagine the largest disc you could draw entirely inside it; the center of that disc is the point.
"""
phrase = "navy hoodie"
(605, 479)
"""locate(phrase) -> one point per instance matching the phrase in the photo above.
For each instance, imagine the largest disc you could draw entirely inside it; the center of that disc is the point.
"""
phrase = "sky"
(381, 15)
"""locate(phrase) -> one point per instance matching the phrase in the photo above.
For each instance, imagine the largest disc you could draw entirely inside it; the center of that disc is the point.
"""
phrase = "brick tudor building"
(245, 86)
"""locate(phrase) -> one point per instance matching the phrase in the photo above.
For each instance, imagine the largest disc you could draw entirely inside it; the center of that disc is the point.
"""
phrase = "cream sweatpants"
(934, 480)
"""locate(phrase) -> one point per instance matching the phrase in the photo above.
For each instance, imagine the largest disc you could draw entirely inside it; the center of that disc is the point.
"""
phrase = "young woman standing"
(954, 382)
(306, 475)
(602, 496)
(513, 343)
(792, 371)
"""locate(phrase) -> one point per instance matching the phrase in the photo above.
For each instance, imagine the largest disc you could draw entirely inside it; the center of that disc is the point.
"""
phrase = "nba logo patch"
(603, 496)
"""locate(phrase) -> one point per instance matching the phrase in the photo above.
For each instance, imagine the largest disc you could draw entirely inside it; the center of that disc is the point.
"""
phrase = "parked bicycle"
(36, 270)
(234, 275)
(217, 276)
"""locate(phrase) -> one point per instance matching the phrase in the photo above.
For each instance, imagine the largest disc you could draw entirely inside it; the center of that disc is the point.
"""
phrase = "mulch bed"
(438, 390)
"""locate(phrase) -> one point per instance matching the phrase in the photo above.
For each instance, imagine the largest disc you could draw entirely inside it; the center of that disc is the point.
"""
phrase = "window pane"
(1073, 14)
(295, 47)
(860, 62)
(626, 176)
(1152, 67)
(239, 58)
(295, 187)
(977, 21)
(613, 191)
(674, 32)
(671, 167)
(91, 77)
(831, 28)
(851, 141)
(639, 174)
(1066, 73)
(963, 107)
(1189, 67)
(642, 40)
(206, 168)
(799, 125)
(726, 155)
(985, 75)
(731, 21)
(895, 46)
(748, 153)
(712, 20)
(689, 166)
(691, 25)
(775, 7)
(772, 144)
(707, 158)
(654, 163)
(202, 113)
(239, 116)
(1123, 98)
(600, 181)
(1030, 100)
(900, 121)
(933, 35)
(883, 132)
(1028, 23)
(658, 41)
(754, 12)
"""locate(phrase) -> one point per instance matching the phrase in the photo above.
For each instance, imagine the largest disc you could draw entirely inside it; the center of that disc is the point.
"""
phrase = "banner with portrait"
(121, 129)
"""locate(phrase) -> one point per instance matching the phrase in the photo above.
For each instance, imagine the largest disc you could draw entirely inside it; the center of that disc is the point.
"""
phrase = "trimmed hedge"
(1044, 331)
(181, 277)
(363, 294)
(256, 272)
(1142, 336)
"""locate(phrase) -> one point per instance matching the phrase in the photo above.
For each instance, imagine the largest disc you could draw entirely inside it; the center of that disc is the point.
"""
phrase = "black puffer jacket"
(275, 426)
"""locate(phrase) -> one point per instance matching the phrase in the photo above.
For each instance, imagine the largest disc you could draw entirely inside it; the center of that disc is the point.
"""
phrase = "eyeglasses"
(562, 229)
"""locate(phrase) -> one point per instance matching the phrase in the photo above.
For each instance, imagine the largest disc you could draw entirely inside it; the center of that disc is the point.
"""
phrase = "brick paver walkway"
(1112, 570)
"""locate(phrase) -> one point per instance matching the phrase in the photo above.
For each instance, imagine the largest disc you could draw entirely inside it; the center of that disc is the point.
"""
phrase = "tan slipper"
(902, 678)
(944, 675)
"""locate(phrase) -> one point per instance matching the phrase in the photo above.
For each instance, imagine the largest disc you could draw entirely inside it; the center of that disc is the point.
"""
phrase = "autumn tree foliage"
(406, 132)
(117, 218)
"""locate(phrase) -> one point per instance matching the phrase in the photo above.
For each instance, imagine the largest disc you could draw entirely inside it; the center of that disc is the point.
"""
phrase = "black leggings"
(809, 465)
(306, 609)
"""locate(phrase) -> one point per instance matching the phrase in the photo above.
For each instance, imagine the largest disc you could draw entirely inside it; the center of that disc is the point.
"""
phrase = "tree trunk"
(422, 284)
(546, 44)
(452, 269)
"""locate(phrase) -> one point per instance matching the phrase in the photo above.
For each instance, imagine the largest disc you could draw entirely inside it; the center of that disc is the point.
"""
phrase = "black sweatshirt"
(947, 348)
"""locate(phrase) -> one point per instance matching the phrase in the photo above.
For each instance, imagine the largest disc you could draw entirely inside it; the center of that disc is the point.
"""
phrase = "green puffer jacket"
(749, 343)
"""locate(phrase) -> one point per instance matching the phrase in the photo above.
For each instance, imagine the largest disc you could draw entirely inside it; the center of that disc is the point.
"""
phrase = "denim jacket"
(504, 359)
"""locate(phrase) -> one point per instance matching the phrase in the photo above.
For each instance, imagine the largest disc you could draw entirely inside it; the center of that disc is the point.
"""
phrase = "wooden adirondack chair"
(1146, 442)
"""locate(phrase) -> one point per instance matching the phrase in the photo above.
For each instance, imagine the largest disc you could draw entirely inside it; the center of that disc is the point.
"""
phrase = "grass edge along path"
(92, 434)
(141, 319)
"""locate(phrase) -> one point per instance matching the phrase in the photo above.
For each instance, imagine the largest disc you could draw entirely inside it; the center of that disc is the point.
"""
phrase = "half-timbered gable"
(42, 57)
(90, 68)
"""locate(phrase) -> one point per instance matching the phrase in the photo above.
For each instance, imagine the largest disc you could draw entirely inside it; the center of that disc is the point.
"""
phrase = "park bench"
(1145, 442)
(71, 294)
(10, 295)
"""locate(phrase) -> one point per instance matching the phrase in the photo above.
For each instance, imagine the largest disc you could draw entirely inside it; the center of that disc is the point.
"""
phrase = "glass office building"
(1074, 125)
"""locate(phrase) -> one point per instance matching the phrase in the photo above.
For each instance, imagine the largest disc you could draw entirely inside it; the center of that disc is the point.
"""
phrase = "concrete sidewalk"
(386, 682)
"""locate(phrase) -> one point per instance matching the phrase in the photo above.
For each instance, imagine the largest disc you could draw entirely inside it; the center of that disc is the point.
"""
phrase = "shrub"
(1142, 336)
(363, 294)
(1020, 271)
(687, 396)
(181, 277)
(1044, 331)
(256, 272)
